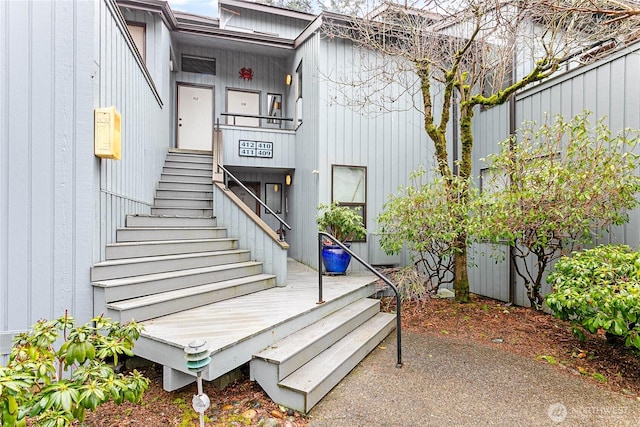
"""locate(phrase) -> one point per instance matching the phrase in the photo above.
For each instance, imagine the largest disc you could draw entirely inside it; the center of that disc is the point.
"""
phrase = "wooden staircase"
(177, 258)
(183, 278)
(302, 368)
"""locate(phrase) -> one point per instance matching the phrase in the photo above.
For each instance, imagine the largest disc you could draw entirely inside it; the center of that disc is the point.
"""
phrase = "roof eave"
(154, 6)
(274, 10)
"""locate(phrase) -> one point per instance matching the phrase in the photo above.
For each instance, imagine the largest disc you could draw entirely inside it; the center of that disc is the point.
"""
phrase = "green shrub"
(425, 219)
(599, 289)
(57, 386)
(342, 222)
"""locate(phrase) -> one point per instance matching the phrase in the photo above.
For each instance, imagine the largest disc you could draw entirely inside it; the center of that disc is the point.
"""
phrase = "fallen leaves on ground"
(518, 330)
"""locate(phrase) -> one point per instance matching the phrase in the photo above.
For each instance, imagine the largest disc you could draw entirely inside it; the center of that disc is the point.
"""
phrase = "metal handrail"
(322, 234)
(254, 116)
(228, 174)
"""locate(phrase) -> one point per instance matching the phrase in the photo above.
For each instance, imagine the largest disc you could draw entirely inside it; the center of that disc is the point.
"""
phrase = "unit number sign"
(255, 148)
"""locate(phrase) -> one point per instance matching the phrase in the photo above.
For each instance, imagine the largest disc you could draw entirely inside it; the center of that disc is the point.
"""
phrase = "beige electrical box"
(107, 133)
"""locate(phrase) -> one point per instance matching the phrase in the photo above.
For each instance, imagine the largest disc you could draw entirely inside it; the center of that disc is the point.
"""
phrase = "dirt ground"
(517, 330)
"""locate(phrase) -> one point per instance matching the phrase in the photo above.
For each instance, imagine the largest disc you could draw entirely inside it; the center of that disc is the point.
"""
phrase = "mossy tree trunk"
(459, 191)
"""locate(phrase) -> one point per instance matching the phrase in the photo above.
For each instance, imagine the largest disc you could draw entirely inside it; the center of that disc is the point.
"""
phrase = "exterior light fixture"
(287, 180)
(198, 358)
(287, 79)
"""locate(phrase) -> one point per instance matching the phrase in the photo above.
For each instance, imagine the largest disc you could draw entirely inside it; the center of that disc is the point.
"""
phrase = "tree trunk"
(461, 277)
(461, 283)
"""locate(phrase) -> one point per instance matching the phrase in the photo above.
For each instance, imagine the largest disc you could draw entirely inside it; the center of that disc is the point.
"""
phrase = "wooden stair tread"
(180, 293)
(171, 274)
(292, 344)
(164, 242)
(159, 258)
(207, 228)
(317, 370)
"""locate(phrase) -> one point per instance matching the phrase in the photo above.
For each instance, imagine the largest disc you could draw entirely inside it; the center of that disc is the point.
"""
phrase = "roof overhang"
(203, 30)
(154, 6)
(247, 45)
(264, 8)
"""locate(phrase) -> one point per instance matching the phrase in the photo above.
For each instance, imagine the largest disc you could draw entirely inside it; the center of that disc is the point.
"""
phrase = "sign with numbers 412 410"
(247, 148)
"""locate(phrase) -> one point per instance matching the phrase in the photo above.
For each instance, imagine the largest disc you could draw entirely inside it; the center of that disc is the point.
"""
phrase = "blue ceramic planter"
(335, 259)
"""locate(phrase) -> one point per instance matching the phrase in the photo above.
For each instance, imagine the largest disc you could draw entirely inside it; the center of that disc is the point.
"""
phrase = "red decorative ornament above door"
(246, 73)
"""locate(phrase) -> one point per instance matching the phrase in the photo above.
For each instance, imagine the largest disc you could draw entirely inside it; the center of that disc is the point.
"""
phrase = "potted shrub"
(345, 225)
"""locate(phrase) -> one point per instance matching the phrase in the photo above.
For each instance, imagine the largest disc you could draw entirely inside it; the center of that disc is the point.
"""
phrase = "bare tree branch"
(482, 52)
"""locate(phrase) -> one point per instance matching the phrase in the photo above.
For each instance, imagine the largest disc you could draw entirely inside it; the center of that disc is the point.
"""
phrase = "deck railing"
(228, 175)
(321, 235)
(272, 119)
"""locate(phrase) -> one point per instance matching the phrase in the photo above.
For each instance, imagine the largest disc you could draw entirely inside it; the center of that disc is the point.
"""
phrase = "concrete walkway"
(446, 382)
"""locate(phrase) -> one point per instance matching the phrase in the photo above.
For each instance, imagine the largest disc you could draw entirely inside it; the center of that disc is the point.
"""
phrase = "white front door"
(195, 117)
(242, 102)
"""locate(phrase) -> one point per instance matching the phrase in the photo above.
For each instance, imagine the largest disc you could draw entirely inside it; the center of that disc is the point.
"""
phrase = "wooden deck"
(239, 327)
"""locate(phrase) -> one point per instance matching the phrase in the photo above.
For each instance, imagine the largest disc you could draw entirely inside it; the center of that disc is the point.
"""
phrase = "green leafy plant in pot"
(345, 225)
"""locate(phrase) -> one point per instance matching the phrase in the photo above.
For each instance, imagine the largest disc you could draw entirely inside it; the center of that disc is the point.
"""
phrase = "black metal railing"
(322, 234)
(227, 175)
(275, 119)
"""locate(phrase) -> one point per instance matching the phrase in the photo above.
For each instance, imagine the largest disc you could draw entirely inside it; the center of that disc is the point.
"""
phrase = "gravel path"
(447, 382)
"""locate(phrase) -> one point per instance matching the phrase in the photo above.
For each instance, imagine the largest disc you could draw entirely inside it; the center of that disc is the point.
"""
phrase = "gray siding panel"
(488, 265)
(59, 204)
(303, 195)
(250, 236)
(284, 147)
(45, 228)
(390, 146)
(4, 165)
(127, 185)
(280, 26)
(608, 88)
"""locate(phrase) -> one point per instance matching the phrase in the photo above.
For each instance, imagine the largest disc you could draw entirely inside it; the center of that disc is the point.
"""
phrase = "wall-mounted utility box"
(107, 139)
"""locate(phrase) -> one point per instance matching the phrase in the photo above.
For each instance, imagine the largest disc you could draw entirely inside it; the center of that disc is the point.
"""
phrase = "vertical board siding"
(157, 49)
(390, 145)
(127, 185)
(46, 174)
(271, 24)
(488, 265)
(59, 203)
(4, 180)
(303, 194)
(284, 147)
(608, 88)
(250, 236)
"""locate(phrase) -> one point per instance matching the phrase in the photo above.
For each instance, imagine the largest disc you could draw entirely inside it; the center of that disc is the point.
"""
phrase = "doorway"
(243, 102)
(254, 187)
(195, 117)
